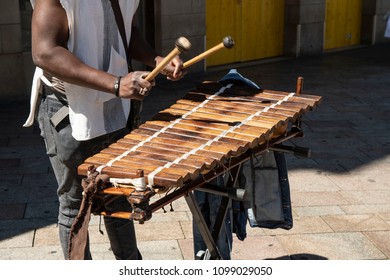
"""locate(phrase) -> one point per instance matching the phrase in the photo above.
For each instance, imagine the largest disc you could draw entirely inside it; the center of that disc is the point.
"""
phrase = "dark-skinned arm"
(49, 52)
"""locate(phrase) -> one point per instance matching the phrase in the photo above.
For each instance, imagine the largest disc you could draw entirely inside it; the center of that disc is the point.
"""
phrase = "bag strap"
(121, 25)
(134, 119)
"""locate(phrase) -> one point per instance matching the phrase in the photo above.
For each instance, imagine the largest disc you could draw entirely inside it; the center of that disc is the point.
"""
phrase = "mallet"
(181, 45)
(227, 42)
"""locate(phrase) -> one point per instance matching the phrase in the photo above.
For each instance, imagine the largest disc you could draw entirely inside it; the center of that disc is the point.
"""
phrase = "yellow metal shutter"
(342, 23)
(257, 26)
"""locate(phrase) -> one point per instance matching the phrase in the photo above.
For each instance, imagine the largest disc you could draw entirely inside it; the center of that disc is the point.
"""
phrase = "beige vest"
(93, 113)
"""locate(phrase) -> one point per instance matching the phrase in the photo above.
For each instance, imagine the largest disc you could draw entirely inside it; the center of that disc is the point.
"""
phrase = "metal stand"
(210, 236)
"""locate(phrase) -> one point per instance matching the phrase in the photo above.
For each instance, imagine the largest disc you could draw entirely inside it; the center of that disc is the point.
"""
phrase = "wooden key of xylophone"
(146, 153)
(216, 150)
(206, 133)
(213, 155)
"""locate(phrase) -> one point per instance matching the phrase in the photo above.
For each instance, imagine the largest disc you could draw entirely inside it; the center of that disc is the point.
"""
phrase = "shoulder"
(49, 21)
(39, 4)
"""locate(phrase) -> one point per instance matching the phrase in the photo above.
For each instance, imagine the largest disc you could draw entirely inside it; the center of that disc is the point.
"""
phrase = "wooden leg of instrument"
(299, 86)
(202, 225)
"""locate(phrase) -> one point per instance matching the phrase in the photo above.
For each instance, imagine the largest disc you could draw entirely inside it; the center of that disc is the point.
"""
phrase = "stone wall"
(15, 68)
(181, 18)
(304, 27)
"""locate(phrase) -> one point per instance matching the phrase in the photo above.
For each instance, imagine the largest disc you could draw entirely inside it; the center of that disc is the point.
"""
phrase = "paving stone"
(302, 225)
(39, 194)
(16, 238)
(27, 224)
(160, 250)
(367, 197)
(317, 199)
(11, 193)
(9, 163)
(381, 240)
(101, 251)
(32, 180)
(261, 248)
(98, 235)
(332, 246)
(12, 211)
(33, 165)
(44, 253)
(254, 231)
(159, 231)
(351, 223)
(44, 209)
(311, 181)
(186, 227)
(385, 216)
(175, 216)
(187, 248)
(356, 181)
(366, 208)
(318, 211)
(47, 236)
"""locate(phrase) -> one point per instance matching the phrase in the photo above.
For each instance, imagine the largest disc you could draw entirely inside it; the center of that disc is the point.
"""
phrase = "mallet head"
(183, 44)
(228, 42)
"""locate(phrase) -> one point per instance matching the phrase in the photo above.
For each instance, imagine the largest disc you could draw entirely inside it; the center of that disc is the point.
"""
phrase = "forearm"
(62, 64)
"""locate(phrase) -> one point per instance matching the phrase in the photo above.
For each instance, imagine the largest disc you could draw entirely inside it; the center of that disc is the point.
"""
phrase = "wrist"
(117, 85)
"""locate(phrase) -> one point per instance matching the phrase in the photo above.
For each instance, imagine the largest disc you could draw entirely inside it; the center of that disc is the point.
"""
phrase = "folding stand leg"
(203, 228)
(210, 237)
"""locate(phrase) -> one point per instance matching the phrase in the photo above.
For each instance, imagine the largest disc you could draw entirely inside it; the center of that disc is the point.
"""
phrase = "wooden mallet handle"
(182, 45)
(227, 42)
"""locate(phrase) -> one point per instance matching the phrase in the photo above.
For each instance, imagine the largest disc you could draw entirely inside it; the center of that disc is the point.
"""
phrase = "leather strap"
(136, 105)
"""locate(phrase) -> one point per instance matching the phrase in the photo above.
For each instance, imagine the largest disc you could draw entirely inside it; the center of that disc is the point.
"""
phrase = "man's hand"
(174, 70)
(134, 85)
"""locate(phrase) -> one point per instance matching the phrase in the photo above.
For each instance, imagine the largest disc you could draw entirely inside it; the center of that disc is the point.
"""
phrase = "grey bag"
(265, 179)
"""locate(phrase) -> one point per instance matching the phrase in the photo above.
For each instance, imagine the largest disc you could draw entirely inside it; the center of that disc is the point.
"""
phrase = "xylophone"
(212, 130)
(213, 127)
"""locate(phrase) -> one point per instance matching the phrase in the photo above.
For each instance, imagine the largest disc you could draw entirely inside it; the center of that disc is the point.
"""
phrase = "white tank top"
(91, 22)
